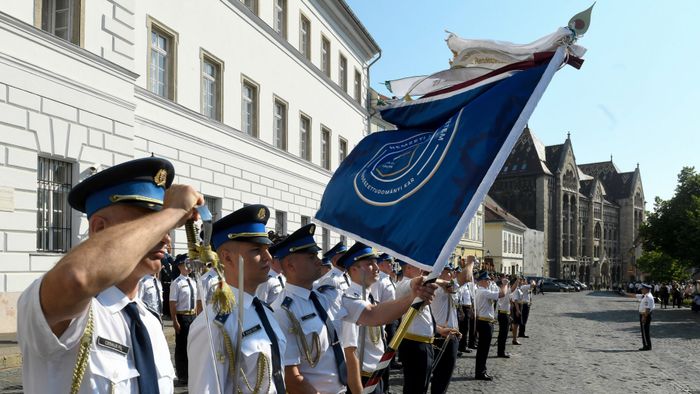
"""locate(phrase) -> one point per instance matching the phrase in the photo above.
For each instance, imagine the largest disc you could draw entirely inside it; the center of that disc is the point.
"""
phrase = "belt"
(486, 319)
(504, 312)
(418, 338)
(188, 312)
(365, 374)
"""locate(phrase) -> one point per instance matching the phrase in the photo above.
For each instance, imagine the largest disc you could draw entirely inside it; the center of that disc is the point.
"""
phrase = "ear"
(97, 223)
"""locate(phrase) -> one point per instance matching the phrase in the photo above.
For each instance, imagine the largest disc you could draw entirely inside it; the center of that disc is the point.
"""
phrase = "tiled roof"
(495, 213)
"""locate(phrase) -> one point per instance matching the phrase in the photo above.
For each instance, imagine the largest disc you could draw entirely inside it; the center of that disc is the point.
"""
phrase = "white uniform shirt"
(324, 376)
(484, 302)
(151, 293)
(646, 301)
(209, 281)
(183, 291)
(504, 302)
(374, 336)
(465, 293)
(335, 277)
(49, 361)
(444, 308)
(383, 289)
(271, 289)
(422, 324)
(255, 341)
(525, 298)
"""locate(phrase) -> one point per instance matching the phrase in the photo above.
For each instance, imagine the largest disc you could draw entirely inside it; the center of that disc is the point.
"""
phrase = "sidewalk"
(11, 357)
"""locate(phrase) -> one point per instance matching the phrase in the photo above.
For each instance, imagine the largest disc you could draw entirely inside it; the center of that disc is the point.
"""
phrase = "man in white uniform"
(87, 304)
(241, 234)
(646, 306)
(336, 277)
(151, 293)
(485, 317)
(184, 307)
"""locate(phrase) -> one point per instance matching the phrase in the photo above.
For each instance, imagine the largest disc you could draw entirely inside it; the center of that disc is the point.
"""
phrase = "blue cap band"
(144, 191)
(247, 230)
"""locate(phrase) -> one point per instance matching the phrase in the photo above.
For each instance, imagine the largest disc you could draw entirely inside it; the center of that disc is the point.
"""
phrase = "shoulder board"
(287, 302)
(221, 318)
(325, 288)
(351, 296)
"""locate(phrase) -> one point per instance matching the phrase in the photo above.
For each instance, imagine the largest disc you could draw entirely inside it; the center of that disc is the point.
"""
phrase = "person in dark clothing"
(664, 295)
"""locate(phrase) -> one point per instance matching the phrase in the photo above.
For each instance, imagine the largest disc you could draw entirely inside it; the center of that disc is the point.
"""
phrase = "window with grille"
(62, 19)
(281, 222)
(252, 5)
(305, 138)
(305, 37)
(326, 239)
(54, 181)
(279, 124)
(214, 205)
(280, 14)
(305, 220)
(325, 148)
(325, 56)
(249, 110)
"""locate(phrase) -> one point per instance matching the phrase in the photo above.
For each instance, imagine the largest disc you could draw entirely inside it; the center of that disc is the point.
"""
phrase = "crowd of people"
(94, 322)
(677, 292)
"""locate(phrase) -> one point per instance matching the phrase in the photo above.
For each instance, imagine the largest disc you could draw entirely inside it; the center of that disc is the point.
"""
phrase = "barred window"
(54, 181)
(326, 239)
(281, 222)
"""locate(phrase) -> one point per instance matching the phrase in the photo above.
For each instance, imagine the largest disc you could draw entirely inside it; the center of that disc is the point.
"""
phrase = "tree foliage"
(661, 267)
(673, 229)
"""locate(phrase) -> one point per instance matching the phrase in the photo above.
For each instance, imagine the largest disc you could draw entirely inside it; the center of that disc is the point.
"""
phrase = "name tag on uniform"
(111, 345)
(252, 330)
(307, 317)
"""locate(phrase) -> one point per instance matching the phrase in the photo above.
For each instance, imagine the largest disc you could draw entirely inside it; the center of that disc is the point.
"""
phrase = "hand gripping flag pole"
(199, 256)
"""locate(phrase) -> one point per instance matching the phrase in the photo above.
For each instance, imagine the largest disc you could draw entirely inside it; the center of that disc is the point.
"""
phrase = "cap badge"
(311, 229)
(261, 214)
(161, 177)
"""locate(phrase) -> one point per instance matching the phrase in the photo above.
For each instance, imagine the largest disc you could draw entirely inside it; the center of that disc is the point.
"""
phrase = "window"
(279, 124)
(326, 239)
(305, 138)
(325, 56)
(212, 82)
(162, 52)
(252, 5)
(325, 148)
(342, 150)
(54, 181)
(281, 222)
(305, 37)
(343, 73)
(358, 87)
(305, 220)
(249, 110)
(344, 239)
(214, 205)
(62, 18)
(280, 22)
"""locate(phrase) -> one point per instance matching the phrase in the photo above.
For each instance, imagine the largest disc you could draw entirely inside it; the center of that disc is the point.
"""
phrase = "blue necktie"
(143, 352)
(337, 349)
(276, 357)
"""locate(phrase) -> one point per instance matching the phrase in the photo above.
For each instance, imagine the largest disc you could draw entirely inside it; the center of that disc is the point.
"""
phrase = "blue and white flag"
(411, 192)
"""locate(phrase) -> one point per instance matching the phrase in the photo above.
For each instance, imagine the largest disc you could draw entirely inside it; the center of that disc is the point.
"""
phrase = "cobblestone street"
(579, 342)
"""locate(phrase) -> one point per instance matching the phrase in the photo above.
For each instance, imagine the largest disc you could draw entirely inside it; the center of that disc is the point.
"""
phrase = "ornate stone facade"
(589, 213)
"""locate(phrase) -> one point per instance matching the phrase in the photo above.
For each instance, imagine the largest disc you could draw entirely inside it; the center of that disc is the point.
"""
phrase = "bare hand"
(424, 292)
(176, 326)
(185, 198)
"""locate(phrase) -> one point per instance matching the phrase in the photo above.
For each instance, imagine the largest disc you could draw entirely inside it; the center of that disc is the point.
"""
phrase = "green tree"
(673, 229)
(661, 267)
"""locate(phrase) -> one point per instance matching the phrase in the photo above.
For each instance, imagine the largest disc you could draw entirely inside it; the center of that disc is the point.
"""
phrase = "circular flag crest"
(401, 168)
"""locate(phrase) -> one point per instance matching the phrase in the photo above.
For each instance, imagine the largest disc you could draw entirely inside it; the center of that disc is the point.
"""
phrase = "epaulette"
(221, 318)
(287, 302)
(352, 297)
(325, 288)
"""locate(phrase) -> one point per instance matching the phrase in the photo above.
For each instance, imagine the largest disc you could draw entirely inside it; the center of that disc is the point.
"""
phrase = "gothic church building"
(589, 213)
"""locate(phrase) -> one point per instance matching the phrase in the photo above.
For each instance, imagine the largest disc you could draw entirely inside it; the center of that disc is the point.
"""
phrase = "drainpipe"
(369, 92)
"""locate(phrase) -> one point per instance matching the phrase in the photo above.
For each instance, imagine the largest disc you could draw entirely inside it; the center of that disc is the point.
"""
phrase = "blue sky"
(637, 96)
